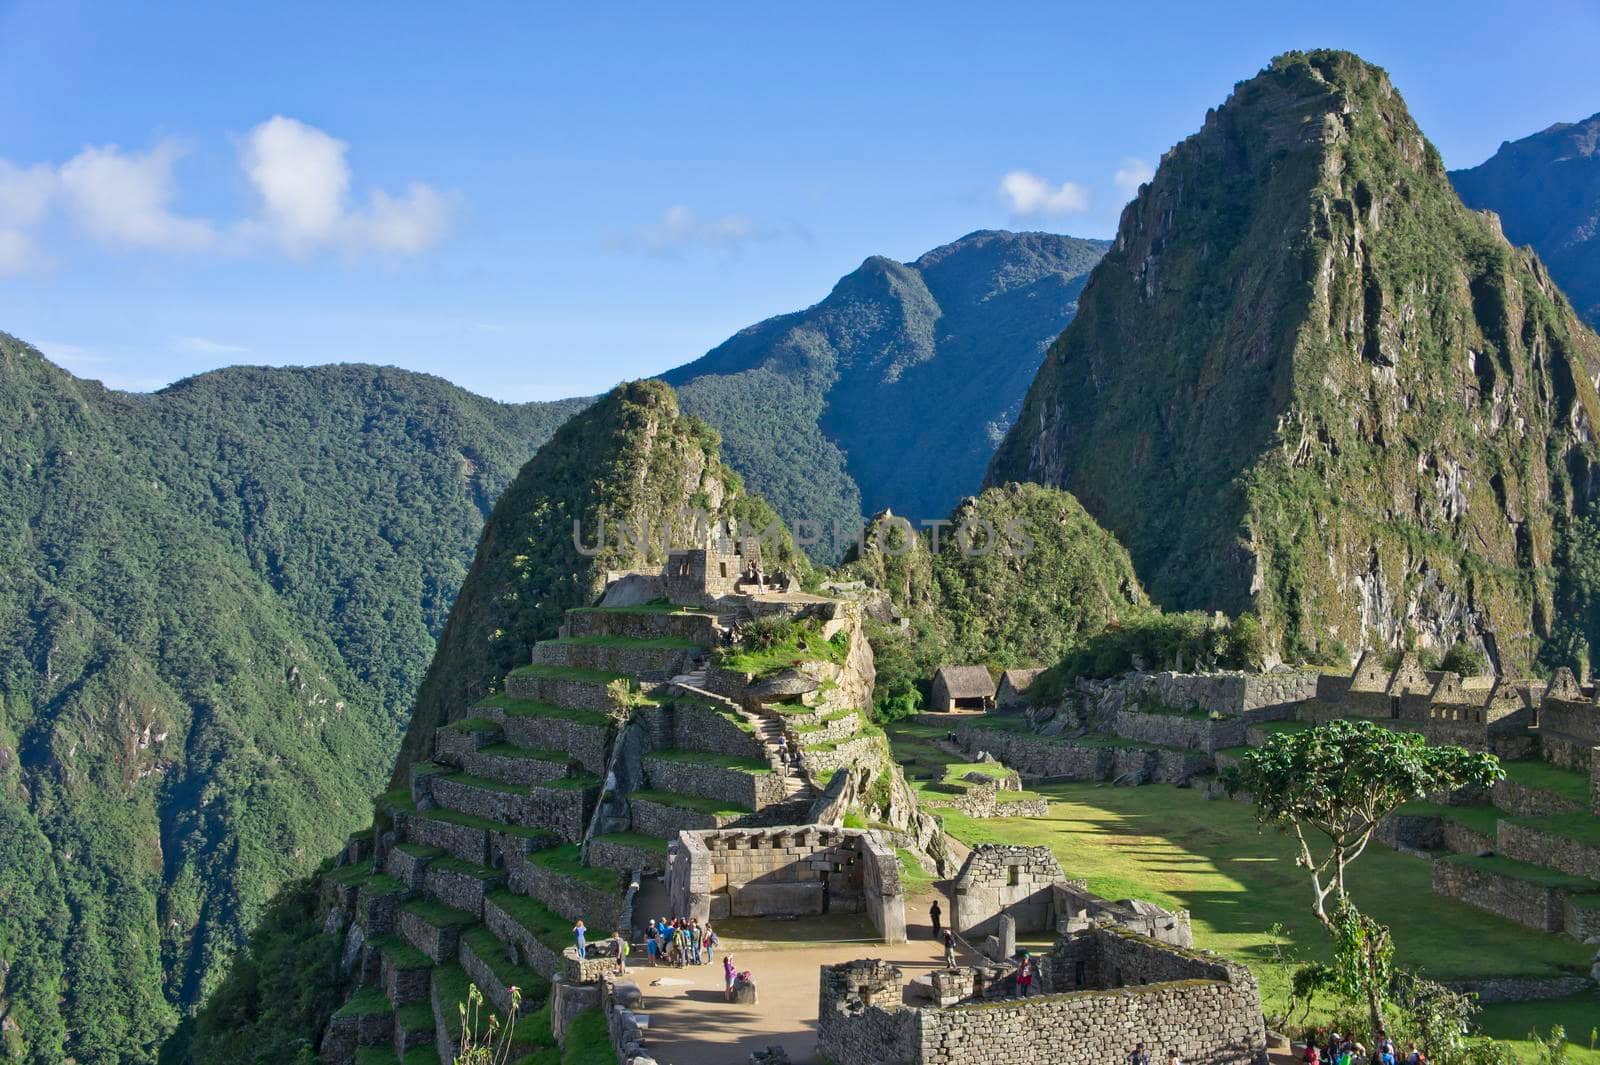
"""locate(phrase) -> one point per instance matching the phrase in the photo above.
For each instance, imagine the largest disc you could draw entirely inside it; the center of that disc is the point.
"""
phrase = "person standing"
(711, 943)
(651, 944)
(582, 935)
(934, 913)
(619, 947)
(1025, 981)
(1139, 1056)
(694, 941)
(949, 949)
(728, 973)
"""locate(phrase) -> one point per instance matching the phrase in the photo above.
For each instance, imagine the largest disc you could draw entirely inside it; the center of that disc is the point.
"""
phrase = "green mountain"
(894, 390)
(631, 460)
(215, 604)
(1546, 190)
(1308, 382)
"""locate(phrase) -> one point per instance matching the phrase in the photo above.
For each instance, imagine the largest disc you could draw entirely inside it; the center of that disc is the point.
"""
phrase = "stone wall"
(585, 742)
(463, 891)
(1178, 730)
(460, 841)
(563, 811)
(695, 627)
(1527, 843)
(1526, 903)
(1044, 756)
(528, 772)
(558, 690)
(508, 930)
(1523, 801)
(692, 725)
(851, 752)
(984, 801)
(1209, 1011)
(569, 897)
(1574, 720)
(606, 853)
(1005, 879)
(645, 660)
(785, 872)
(839, 729)
(658, 819)
(738, 788)
(1077, 908)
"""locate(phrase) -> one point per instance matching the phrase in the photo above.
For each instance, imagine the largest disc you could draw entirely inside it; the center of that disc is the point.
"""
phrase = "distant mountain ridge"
(1546, 190)
(895, 388)
(216, 603)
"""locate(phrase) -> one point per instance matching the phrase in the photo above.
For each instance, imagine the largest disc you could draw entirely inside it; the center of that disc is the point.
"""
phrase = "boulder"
(744, 991)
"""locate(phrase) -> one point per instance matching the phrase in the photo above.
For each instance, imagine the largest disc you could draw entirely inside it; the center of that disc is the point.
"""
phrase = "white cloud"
(679, 228)
(24, 198)
(303, 180)
(1131, 174)
(1027, 194)
(125, 198)
(203, 346)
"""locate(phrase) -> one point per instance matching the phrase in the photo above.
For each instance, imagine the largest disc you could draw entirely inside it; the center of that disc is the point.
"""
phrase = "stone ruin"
(983, 801)
(1099, 991)
(1003, 890)
(785, 872)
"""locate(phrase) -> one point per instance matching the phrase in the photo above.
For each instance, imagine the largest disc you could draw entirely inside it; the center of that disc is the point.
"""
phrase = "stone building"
(962, 688)
(1027, 884)
(1014, 685)
(789, 871)
(1103, 990)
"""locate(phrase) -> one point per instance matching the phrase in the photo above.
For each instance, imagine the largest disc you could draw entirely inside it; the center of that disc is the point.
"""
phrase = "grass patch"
(577, 674)
(665, 643)
(1525, 872)
(378, 885)
(456, 817)
(461, 868)
(370, 1001)
(525, 754)
(415, 1017)
(1546, 777)
(397, 800)
(353, 875)
(485, 784)
(637, 840)
(379, 1056)
(472, 724)
(437, 914)
(1238, 881)
(1581, 827)
(553, 931)
(513, 707)
(418, 850)
(492, 953)
(914, 879)
(1480, 819)
(720, 761)
(401, 954)
(588, 1041)
(687, 802)
(1512, 1021)
(802, 642)
(566, 861)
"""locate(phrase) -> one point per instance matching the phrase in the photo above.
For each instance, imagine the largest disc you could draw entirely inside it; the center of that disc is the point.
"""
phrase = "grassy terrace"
(566, 861)
(688, 802)
(553, 931)
(659, 606)
(513, 707)
(525, 754)
(1525, 872)
(460, 868)
(1546, 777)
(492, 953)
(828, 719)
(370, 1001)
(1583, 827)
(803, 644)
(1480, 819)
(472, 724)
(572, 673)
(1246, 898)
(456, 817)
(637, 840)
(532, 1030)
(665, 643)
(720, 761)
(401, 954)
(438, 914)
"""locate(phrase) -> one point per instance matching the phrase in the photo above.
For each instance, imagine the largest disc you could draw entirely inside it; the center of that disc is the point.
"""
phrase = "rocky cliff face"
(1546, 190)
(1308, 381)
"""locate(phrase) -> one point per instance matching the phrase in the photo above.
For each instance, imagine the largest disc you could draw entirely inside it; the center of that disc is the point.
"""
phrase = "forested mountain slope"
(894, 390)
(215, 603)
(1546, 190)
(1308, 381)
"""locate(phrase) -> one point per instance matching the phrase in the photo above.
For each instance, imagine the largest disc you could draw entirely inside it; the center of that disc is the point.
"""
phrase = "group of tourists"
(1334, 1049)
(680, 942)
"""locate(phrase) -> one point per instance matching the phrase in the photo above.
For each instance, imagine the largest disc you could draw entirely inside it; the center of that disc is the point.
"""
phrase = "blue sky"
(536, 201)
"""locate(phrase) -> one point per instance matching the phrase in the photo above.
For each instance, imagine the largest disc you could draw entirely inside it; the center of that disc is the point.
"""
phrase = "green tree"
(1329, 787)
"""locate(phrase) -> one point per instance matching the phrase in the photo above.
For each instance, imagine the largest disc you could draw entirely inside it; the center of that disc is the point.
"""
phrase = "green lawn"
(1480, 819)
(687, 802)
(566, 861)
(1583, 827)
(1239, 883)
(1546, 777)
(514, 707)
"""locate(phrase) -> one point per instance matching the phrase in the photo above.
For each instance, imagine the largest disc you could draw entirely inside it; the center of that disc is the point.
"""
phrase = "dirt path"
(691, 1024)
